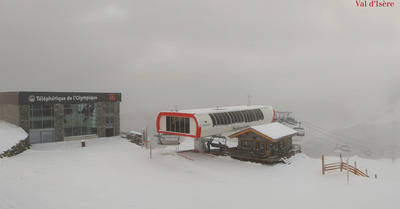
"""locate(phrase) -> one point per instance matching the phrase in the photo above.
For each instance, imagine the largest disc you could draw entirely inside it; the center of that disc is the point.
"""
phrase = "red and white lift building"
(209, 122)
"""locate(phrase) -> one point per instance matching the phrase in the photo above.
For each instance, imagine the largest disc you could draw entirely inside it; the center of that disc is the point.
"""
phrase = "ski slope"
(114, 173)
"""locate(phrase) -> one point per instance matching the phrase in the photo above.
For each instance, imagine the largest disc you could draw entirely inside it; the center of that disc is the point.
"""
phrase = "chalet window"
(259, 146)
(253, 145)
(244, 144)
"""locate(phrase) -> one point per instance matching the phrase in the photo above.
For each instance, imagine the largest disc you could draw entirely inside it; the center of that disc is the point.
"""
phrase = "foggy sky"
(329, 62)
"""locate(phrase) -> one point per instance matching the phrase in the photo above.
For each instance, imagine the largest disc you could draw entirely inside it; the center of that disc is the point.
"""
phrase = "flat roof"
(40, 97)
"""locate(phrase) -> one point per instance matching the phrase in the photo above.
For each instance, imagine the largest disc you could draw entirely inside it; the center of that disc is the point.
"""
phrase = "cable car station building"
(62, 116)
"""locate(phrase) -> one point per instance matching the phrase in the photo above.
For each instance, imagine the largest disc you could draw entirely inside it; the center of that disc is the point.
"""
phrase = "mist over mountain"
(377, 137)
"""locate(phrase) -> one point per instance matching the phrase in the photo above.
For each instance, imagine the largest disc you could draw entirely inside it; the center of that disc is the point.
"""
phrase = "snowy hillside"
(376, 138)
(10, 135)
(114, 173)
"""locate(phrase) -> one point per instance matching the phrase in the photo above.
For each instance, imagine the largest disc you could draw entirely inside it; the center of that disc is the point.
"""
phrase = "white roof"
(274, 130)
(135, 132)
(221, 109)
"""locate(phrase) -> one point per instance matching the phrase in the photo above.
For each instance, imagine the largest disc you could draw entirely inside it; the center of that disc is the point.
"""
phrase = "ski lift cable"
(335, 138)
(326, 131)
(337, 135)
(331, 142)
(322, 139)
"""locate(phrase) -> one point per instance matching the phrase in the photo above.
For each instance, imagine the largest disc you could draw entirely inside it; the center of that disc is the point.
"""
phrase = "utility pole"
(151, 156)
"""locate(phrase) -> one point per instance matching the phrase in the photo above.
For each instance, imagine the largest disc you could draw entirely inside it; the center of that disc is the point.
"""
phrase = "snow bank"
(10, 135)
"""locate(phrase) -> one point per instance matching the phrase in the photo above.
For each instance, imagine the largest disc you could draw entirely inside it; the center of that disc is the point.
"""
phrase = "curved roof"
(220, 109)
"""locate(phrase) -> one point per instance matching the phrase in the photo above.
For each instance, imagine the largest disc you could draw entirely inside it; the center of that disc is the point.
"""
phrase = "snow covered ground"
(114, 173)
(10, 135)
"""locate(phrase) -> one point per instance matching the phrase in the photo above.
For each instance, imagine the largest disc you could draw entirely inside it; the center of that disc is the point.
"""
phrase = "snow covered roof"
(274, 131)
(220, 109)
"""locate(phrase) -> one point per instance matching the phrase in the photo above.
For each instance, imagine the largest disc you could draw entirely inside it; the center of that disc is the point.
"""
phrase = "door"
(41, 136)
(267, 149)
(109, 132)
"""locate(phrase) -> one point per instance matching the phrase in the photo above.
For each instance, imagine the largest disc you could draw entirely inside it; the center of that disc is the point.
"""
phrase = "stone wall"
(59, 122)
(16, 149)
(24, 117)
(101, 119)
(284, 145)
(117, 120)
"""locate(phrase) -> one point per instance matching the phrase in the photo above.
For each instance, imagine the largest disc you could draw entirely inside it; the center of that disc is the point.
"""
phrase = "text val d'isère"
(374, 3)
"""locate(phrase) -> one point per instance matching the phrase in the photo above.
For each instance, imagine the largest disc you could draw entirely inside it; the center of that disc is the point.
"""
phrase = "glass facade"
(80, 119)
(110, 110)
(41, 116)
(110, 114)
(41, 123)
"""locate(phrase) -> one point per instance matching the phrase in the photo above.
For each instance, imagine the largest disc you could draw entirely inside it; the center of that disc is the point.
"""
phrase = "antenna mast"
(248, 100)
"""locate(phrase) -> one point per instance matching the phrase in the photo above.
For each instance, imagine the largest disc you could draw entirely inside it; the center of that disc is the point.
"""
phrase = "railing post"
(355, 168)
(347, 167)
(341, 163)
(366, 172)
(323, 165)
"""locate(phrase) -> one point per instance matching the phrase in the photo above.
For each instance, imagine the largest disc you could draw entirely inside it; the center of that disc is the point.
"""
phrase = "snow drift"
(10, 135)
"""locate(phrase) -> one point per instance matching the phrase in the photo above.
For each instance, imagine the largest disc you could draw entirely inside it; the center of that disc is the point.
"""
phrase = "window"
(110, 113)
(261, 145)
(214, 121)
(232, 115)
(178, 124)
(227, 118)
(80, 119)
(41, 116)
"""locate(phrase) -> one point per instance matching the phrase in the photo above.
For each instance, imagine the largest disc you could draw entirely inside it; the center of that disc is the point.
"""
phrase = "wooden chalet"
(269, 140)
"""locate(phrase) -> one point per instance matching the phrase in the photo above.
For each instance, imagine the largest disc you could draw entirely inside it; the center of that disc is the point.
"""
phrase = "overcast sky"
(329, 62)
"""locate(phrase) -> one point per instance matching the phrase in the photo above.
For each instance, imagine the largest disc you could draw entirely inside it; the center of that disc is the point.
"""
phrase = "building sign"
(112, 97)
(31, 98)
(144, 135)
